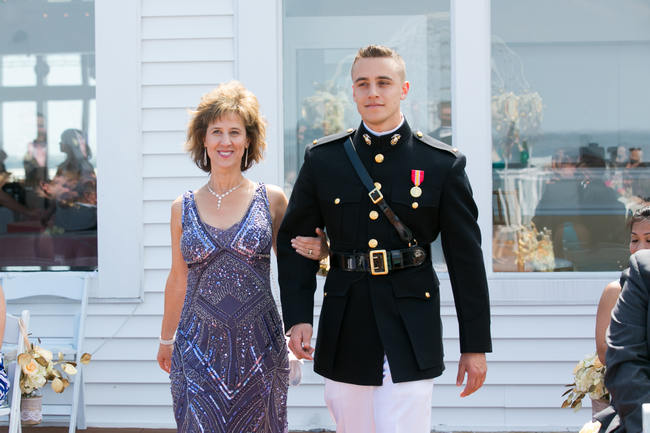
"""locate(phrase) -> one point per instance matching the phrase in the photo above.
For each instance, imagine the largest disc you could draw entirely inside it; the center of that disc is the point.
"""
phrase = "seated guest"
(639, 226)
(628, 357)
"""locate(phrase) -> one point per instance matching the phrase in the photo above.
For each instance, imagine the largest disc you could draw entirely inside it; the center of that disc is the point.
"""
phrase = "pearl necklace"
(222, 196)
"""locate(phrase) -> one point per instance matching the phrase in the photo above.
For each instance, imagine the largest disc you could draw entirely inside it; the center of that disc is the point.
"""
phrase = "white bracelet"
(167, 342)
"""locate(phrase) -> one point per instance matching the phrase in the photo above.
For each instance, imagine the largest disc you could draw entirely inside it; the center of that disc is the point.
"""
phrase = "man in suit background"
(628, 350)
(379, 342)
(443, 132)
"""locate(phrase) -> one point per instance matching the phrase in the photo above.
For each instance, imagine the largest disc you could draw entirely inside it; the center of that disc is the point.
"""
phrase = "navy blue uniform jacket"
(363, 316)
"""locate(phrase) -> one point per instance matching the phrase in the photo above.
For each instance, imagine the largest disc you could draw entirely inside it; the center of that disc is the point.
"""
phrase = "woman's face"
(640, 236)
(226, 141)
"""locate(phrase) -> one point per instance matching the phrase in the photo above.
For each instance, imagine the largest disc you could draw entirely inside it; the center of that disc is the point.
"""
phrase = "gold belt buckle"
(378, 262)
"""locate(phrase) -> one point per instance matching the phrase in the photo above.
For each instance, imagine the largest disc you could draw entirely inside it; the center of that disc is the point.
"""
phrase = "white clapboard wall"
(188, 47)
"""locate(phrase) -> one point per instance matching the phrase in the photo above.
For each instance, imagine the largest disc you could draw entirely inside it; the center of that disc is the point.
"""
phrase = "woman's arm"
(174, 289)
(314, 247)
(278, 206)
(603, 316)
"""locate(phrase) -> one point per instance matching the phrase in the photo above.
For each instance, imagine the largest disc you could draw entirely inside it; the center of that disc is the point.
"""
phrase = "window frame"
(119, 277)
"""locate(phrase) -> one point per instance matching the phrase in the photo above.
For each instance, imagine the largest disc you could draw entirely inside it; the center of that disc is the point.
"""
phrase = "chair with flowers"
(60, 342)
(13, 343)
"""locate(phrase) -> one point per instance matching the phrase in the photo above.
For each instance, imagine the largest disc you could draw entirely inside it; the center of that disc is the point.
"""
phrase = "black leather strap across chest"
(376, 196)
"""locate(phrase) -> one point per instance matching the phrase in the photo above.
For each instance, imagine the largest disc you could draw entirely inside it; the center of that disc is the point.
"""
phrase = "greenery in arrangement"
(589, 380)
(38, 367)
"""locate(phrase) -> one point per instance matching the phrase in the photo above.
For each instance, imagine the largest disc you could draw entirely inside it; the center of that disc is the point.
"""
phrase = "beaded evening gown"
(229, 364)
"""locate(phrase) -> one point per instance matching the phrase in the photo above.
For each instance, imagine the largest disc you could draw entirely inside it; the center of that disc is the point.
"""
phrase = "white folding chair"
(12, 345)
(41, 287)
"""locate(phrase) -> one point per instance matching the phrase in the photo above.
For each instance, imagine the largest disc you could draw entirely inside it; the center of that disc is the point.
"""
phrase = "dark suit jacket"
(628, 340)
(364, 316)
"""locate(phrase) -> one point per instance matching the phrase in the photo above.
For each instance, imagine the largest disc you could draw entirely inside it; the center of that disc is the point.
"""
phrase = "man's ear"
(405, 90)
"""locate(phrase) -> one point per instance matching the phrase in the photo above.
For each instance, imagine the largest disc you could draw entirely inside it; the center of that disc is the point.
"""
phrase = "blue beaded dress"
(229, 365)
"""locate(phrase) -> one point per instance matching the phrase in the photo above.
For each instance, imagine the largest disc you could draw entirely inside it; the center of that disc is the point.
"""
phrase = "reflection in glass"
(18, 70)
(569, 125)
(48, 200)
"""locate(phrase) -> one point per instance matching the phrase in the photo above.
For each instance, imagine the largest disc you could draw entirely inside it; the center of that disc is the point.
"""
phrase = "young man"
(379, 342)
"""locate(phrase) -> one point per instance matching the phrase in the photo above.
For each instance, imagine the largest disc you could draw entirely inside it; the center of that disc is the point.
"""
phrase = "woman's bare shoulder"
(276, 194)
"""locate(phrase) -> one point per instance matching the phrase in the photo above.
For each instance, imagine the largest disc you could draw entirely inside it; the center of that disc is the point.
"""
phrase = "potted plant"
(37, 369)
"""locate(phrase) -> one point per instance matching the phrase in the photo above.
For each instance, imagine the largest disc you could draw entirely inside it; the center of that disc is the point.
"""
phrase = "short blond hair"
(228, 98)
(374, 51)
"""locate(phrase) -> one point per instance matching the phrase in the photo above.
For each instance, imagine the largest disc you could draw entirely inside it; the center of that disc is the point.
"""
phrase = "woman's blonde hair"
(228, 98)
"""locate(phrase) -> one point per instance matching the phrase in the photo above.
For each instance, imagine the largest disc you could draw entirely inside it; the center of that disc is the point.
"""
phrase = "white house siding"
(186, 49)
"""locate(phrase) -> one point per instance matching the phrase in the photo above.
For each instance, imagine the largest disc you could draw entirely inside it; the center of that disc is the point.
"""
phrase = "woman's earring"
(205, 156)
(246, 158)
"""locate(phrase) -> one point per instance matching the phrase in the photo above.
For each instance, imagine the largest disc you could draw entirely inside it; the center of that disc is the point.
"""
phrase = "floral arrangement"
(534, 247)
(589, 379)
(38, 368)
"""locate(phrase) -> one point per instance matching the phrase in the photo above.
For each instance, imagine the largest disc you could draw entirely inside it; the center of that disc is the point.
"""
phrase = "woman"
(228, 367)
(639, 226)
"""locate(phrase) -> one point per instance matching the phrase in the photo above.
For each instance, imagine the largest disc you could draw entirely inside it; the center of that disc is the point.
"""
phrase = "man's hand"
(475, 366)
(300, 341)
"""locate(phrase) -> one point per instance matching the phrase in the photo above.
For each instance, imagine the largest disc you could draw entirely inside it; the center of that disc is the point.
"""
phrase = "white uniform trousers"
(391, 408)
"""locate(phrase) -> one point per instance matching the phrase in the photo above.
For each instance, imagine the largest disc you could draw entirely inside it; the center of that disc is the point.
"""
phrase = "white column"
(258, 66)
(471, 94)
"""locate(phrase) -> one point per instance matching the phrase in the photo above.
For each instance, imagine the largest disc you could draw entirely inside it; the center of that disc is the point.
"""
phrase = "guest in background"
(628, 358)
(443, 132)
(639, 226)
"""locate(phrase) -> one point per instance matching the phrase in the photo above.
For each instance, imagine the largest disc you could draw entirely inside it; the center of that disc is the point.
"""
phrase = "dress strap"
(187, 202)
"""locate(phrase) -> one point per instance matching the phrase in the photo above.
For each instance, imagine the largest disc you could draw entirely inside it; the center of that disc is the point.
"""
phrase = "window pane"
(65, 69)
(321, 40)
(18, 71)
(48, 204)
(570, 123)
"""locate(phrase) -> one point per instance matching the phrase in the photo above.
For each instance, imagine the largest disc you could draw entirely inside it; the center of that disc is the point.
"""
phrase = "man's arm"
(297, 274)
(628, 361)
(461, 243)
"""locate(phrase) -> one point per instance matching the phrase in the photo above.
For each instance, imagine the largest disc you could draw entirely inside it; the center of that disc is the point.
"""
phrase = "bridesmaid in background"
(639, 226)
(221, 339)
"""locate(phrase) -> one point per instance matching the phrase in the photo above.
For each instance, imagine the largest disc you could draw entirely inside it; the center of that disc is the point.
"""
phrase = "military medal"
(417, 176)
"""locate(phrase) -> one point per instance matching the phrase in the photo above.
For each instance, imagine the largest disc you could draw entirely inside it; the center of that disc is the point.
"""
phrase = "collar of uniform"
(382, 141)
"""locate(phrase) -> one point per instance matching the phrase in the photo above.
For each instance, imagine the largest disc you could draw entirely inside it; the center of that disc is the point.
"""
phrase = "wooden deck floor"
(110, 430)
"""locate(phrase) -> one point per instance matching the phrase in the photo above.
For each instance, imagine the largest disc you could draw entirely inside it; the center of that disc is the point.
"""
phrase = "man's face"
(445, 115)
(377, 89)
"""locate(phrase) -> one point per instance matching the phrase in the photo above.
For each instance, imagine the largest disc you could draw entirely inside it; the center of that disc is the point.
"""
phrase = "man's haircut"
(374, 51)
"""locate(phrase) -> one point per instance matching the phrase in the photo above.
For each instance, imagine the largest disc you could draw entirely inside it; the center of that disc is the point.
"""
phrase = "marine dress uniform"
(381, 297)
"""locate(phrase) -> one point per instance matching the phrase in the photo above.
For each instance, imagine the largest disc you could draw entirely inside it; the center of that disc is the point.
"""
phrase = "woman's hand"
(314, 248)
(165, 357)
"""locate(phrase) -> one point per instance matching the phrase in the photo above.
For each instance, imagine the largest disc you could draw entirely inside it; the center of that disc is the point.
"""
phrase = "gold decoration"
(366, 138)
(394, 139)
(415, 205)
(373, 215)
(379, 158)
(372, 243)
(416, 191)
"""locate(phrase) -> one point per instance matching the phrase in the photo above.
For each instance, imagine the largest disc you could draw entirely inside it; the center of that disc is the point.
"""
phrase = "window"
(569, 127)
(48, 200)
(320, 42)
